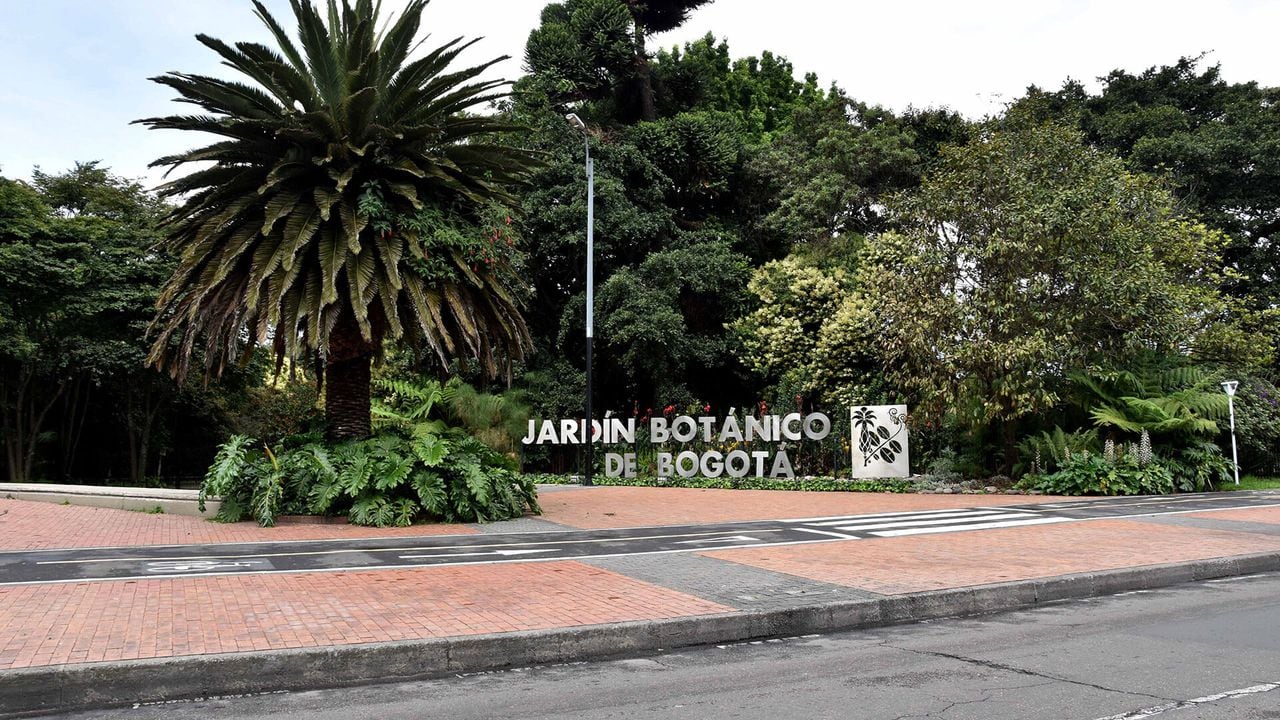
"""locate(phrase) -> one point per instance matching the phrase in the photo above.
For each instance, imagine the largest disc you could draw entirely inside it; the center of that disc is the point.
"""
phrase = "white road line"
(948, 521)
(977, 526)
(1157, 501)
(504, 553)
(1155, 710)
(1237, 578)
(731, 538)
(418, 566)
(825, 532)
(402, 549)
(925, 516)
(869, 516)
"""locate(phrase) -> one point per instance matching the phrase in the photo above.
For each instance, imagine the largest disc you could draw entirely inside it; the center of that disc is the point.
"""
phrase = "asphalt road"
(80, 564)
(1209, 651)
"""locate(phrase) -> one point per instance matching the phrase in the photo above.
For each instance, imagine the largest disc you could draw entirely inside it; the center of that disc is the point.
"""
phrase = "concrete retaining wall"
(172, 502)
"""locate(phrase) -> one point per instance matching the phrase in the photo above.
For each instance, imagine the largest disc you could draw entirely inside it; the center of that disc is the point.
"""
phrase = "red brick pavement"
(1258, 515)
(27, 525)
(615, 507)
(949, 560)
(123, 620)
(119, 620)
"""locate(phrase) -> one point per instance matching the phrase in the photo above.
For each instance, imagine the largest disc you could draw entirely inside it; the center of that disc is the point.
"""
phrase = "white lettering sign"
(792, 427)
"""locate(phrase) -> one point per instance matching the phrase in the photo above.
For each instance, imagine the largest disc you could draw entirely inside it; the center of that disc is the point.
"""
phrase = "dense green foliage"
(76, 287)
(1215, 141)
(415, 466)
(1257, 406)
(1027, 255)
(1088, 474)
(1055, 292)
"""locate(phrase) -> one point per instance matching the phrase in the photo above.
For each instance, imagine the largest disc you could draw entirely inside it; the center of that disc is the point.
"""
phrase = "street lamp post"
(577, 124)
(1229, 387)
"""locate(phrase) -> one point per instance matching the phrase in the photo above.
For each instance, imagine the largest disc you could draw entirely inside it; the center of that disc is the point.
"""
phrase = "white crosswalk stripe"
(975, 526)
(876, 525)
(953, 514)
(922, 522)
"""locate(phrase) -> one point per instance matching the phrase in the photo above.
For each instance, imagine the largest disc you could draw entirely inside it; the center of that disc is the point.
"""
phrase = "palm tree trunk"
(346, 380)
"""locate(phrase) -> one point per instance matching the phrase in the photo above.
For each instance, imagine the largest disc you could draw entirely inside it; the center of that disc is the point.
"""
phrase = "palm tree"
(341, 168)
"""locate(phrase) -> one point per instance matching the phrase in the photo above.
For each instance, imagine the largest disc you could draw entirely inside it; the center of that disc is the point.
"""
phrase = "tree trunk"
(346, 381)
(643, 77)
(1009, 430)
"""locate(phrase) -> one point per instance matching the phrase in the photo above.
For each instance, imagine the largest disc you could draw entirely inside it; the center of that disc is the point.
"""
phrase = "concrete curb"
(169, 500)
(64, 688)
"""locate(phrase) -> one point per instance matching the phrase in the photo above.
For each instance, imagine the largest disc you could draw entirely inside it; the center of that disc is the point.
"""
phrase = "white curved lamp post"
(1229, 387)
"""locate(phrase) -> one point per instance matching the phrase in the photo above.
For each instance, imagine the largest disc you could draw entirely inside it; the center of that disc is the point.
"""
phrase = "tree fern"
(1179, 400)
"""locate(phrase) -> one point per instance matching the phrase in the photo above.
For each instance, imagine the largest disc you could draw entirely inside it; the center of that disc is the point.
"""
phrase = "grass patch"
(1253, 482)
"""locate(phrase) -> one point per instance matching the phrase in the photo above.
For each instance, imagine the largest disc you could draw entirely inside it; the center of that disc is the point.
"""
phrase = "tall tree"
(596, 49)
(79, 281)
(1026, 255)
(651, 17)
(342, 204)
(1215, 141)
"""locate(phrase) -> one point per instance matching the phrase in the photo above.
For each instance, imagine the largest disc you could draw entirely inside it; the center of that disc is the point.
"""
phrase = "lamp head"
(576, 122)
(1229, 387)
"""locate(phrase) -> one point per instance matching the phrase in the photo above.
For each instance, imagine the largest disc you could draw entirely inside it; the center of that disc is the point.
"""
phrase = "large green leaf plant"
(415, 467)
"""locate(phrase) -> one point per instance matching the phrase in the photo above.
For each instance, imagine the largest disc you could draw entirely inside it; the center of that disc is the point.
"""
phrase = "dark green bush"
(1257, 426)
(413, 467)
(1090, 474)
(1200, 466)
(386, 480)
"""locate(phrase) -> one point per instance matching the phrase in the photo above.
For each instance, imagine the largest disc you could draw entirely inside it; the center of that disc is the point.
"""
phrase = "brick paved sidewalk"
(28, 525)
(86, 622)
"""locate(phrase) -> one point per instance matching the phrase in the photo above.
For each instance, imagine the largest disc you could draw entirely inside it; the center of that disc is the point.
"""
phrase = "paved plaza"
(864, 546)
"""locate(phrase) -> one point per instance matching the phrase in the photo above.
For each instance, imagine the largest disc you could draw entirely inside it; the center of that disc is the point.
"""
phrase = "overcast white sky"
(75, 70)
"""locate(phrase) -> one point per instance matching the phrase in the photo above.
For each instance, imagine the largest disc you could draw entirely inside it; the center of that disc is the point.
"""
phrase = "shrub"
(1090, 474)
(1258, 426)
(1200, 466)
(386, 480)
(413, 467)
(1048, 451)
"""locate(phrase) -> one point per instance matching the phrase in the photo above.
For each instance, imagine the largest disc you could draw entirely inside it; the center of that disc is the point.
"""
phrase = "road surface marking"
(1182, 704)
(923, 516)
(394, 549)
(872, 516)
(200, 566)
(473, 554)
(977, 526)
(732, 538)
(924, 523)
(827, 532)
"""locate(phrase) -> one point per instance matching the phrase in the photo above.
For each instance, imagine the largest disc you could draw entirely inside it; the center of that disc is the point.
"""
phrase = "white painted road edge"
(1182, 704)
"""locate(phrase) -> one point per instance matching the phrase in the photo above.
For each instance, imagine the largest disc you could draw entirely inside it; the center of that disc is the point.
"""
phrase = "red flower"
(669, 409)
(706, 408)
